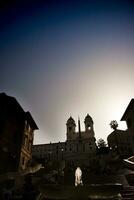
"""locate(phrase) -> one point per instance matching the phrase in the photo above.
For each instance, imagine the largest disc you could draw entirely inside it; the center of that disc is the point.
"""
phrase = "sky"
(62, 58)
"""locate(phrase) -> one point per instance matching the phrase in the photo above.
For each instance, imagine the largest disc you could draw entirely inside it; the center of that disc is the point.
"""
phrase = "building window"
(26, 141)
(27, 126)
(70, 128)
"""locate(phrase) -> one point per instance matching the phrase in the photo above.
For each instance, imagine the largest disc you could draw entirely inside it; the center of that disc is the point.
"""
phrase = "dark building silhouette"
(16, 135)
(128, 115)
(79, 147)
(123, 140)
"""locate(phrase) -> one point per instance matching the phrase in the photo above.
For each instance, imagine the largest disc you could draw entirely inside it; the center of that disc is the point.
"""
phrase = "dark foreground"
(113, 191)
(107, 191)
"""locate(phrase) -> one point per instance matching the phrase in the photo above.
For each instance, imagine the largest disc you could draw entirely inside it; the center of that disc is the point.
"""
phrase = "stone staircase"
(127, 193)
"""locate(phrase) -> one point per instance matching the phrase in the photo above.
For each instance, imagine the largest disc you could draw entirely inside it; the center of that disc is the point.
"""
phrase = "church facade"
(79, 147)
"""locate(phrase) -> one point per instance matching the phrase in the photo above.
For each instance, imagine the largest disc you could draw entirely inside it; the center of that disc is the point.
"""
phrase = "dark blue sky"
(62, 58)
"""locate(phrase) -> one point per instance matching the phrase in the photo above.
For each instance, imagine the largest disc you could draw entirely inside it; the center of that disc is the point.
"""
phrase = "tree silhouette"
(101, 143)
(114, 124)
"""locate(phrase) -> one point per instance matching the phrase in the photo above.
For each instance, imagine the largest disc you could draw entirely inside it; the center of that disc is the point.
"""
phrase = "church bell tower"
(89, 124)
(70, 128)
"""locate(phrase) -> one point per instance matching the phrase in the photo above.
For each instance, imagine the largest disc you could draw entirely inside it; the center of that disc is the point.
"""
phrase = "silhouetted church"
(16, 135)
(79, 147)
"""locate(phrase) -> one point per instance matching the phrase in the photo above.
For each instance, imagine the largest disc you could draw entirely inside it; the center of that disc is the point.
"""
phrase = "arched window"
(70, 128)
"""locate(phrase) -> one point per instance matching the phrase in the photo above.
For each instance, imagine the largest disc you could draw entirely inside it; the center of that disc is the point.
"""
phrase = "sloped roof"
(31, 120)
(12, 105)
(70, 120)
(129, 107)
(88, 118)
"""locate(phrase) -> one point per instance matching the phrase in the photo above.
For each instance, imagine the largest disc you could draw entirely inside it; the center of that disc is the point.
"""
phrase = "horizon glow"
(69, 58)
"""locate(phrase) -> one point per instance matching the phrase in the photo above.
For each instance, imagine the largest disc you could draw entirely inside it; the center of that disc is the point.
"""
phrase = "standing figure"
(78, 177)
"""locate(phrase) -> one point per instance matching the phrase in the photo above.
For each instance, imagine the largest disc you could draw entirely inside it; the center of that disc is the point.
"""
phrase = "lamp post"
(50, 155)
(62, 152)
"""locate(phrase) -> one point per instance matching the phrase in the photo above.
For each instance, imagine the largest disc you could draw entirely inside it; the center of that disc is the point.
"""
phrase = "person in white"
(78, 177)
